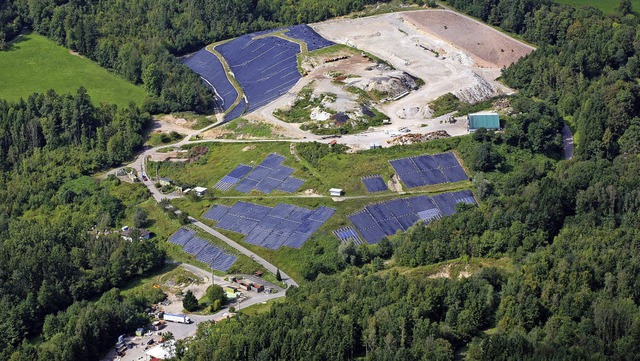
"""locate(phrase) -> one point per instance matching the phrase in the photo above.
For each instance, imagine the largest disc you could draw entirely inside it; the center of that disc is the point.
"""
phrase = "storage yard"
(445, 66)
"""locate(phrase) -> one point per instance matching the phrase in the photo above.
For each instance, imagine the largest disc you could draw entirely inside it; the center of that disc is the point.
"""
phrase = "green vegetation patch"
(36, 64)
(355, 123)
(242, 127)
(157, 139)
(301, 109)
(449, 103)
(454, 269)
(261, 308)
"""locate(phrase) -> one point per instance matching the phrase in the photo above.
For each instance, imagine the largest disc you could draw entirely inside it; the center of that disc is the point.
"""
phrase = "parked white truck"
(177, 318)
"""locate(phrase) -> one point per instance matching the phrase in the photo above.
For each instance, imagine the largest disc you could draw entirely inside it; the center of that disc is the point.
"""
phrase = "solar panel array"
(266, 177)
(282, 225)
(348, 234)
(266, 68)
(227, 182)
(377, 221)
(237, 111)
(429, 169)
(308, 35)
(204, 251)
(374, 183)
(208, 66)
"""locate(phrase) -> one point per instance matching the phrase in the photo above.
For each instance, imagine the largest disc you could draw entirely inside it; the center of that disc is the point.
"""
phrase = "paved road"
(181, 331)
(273, 269)
(567, 142)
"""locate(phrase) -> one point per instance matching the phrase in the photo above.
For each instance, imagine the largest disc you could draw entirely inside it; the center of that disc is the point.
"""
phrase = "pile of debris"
(195, 153)
(407, 139)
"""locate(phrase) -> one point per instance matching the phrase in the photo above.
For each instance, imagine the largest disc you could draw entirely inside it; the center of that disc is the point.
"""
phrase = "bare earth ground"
(169, 123)
(469, 60)
(277, 131)
(488, 46)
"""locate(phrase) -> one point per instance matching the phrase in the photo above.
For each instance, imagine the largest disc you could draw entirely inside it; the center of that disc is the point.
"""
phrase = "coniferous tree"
(190, 302)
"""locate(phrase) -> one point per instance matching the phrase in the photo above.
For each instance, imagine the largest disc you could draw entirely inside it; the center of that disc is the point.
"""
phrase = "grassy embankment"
(242, 128)
(227, 70)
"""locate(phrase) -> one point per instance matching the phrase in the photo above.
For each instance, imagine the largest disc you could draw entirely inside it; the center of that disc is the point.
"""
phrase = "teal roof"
(487, 121)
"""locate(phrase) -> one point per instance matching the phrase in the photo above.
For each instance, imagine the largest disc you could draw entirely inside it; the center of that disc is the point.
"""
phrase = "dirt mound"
(195, 153)
(479, 91)
(414, 112)
(489, 47)
(418, 138)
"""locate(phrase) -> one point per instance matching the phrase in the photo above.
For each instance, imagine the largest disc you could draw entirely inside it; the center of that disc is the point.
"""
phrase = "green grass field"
(608, 6)
(34, 63)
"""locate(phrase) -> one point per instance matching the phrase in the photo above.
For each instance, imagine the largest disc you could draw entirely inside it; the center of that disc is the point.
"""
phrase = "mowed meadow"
(34, 63)
(607, 6)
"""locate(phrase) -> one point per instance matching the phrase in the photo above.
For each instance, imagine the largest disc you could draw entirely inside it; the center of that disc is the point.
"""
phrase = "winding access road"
(140, 165)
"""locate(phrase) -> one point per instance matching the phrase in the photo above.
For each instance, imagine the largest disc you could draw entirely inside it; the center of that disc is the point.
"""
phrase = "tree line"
(358, 314)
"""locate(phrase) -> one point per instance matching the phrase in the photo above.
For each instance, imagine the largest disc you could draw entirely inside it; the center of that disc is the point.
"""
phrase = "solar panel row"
(227, 182)
(266, 177)
(209, 67)
(268, 227)
(182, 236)
(202, 249)
(376, 221)
(429, 169)
(348, 234)
(270, 175)
(374, 183)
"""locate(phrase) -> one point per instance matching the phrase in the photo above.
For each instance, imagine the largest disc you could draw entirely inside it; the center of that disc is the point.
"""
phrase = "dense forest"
(51, 258)
(138, 39)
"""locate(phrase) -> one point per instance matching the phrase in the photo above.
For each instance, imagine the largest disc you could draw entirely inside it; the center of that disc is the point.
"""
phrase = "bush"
(190, 302)
(139, 218)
